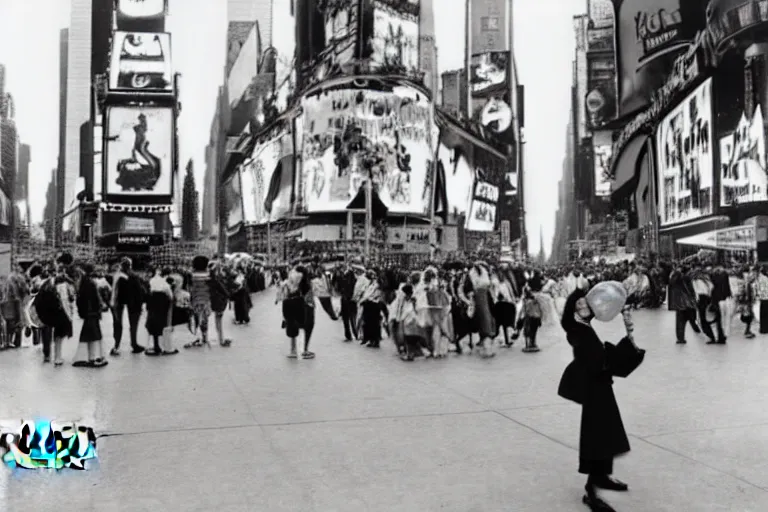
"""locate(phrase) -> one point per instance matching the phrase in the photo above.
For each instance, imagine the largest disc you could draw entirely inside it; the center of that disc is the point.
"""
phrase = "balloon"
(606, 300)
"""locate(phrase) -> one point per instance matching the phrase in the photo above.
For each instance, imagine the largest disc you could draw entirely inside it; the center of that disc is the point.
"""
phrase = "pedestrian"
(298, 309)
(90, 352)
(682, 300)
(531, 318)
(159, 311)
(588, 381)
(128, 293)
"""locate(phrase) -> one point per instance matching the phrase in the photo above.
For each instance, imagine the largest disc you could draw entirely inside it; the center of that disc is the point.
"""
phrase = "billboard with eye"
(141, 61)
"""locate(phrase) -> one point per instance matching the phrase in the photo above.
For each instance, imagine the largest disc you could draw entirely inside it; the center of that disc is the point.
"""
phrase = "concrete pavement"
(245, 429)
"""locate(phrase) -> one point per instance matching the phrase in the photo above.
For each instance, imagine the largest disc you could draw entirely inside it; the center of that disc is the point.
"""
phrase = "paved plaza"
(246, 429)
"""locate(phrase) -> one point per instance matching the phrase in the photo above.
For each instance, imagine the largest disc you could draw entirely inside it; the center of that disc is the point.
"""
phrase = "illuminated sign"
(482, 212)
(743, 177)
(351, 134)
(141, 8)
(139, 151)
(685, 159)
(141, 61)
(602, 171)
(396, 37)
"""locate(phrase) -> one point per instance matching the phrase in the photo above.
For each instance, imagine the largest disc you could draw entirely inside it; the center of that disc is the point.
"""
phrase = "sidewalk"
(245, 429)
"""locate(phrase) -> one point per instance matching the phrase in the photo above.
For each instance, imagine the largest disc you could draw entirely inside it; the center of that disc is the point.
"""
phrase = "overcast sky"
(29, 47)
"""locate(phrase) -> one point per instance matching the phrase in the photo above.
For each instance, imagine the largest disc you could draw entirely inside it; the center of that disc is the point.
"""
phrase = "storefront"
(737, 243)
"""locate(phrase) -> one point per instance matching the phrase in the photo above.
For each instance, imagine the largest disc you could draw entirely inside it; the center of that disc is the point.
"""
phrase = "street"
(246, 429)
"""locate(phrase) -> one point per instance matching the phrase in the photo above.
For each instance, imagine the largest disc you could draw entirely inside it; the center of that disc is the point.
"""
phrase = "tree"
(190, 206)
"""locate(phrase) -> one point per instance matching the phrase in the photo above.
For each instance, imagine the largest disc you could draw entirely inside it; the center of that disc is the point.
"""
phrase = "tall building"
(21, 185)
(58, 196)
(428, 47)
(78, 98)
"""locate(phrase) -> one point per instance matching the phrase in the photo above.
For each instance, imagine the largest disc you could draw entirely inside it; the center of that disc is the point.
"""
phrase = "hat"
(358, 268)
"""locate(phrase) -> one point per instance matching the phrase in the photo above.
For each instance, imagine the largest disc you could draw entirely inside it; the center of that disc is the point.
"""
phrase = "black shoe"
(596, 504)
(611, 484)
(722, 341)
(681, 342)
(749, 335)
(696, 329)
(138, 349)
(711, 342)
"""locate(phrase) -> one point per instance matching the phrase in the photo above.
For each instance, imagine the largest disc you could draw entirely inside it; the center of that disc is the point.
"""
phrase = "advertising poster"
(267, 180)
(601, 84)
(5, 209)
(602, 169)
(141, 8)
(233, 198)
(488, 26)
(141, 61)
(348, 134)
(326, 38)
(685, 160)
(459, 178)
(395, 39)
(743, 175)
(489, 73)
(139, 151)
(489, 82)
(482, 213)
(649, 35)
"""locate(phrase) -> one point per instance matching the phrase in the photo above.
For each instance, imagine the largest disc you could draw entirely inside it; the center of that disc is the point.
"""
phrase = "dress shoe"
(611, 484)
(596, 504)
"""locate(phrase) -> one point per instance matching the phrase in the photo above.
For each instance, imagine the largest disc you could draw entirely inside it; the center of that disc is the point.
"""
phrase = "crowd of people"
(485, 305)
(43, 301)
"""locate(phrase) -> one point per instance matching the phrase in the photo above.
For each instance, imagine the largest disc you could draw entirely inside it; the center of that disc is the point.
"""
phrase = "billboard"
(743, 174)
(488, 73)
(488, 26)
(649, 35)
(459, 180)
(350, 133)
(267, 180)
(685, 159)
(141, 61)
(395, 41)
(139, 151)
(602, 162)
(482, 213)
(141, 9)
(233, 199)
(601, 84)
(326, 39)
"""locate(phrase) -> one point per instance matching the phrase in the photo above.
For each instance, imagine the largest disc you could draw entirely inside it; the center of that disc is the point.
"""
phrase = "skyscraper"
(78, 98)
(57, 208)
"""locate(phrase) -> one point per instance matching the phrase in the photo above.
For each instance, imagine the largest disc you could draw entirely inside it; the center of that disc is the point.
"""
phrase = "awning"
(738, 238)
(625, 165)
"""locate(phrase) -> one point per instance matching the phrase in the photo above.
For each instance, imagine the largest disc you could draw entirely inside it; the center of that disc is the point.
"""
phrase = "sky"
(544, 49)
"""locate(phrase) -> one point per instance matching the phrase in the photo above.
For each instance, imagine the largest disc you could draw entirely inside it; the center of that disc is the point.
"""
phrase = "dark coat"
(590, 378)
(158, 307)
(680, 290)
(721, 286)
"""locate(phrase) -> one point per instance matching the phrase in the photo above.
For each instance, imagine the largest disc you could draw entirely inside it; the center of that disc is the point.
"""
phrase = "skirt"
(91, 330)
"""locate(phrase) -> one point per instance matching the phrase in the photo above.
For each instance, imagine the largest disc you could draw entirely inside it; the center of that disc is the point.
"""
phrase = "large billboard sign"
(141, 61)
(395, 41)
(602, 170)
(141, 9)
(743, 173)
(349, 134)
(267, 180)
(139, 151)
(649, 35)
(459, 180)
(233, 198)
(482, 213)
(685, 159)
